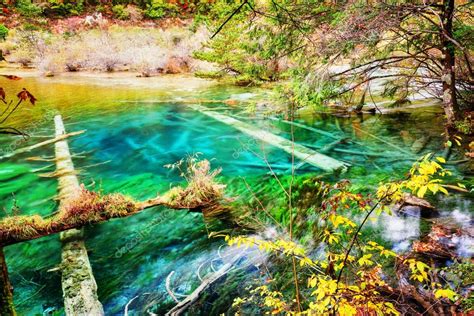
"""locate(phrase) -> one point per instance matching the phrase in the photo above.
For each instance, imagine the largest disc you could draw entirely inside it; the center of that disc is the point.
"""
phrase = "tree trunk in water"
(448, 77)
(78, 282)
(6, 295)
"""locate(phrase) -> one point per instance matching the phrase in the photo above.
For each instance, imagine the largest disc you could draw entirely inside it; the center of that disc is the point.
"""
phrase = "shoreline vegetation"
(240, 45)
(145, 51)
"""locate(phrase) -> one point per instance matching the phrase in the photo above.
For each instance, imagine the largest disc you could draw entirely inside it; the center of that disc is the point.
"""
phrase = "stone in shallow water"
(415, 207)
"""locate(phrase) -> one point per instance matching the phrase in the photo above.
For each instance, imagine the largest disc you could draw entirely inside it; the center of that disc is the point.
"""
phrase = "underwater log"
(41, 144)
(78, 282)
(309, 128)
(308, 155)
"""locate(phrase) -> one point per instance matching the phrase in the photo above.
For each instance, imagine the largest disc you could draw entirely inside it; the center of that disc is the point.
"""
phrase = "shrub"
(64, 8)
(160, 8)
(3, 32)
(120, 12)
(28, 9)
(466, 125)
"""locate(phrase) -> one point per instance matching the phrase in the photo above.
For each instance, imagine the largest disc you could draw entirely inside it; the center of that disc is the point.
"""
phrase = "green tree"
(409, 46)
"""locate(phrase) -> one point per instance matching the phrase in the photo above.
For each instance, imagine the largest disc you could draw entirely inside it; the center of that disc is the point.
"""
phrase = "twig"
(168, 287)
(229, 18)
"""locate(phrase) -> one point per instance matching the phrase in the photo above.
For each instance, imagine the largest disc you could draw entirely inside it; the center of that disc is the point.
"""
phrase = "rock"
(176, 65)
(231, 102)
(416, 207)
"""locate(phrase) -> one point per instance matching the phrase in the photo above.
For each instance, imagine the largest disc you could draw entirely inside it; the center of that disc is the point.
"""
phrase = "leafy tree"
(406, 46)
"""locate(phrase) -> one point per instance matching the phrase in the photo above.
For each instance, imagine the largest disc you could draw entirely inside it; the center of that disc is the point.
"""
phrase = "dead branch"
(168, 287)
(182, 306)
(41, 144)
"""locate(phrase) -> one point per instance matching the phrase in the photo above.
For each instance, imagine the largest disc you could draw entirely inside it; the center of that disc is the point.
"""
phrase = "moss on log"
(202, 193)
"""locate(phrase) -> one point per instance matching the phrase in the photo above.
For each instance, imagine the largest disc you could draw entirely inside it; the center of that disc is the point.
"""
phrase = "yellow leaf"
(443, 190)
(422, 191)
(446, 293)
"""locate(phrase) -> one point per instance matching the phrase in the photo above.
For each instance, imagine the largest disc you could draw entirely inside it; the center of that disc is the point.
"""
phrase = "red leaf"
(26, 95)
(23, 95)
(2, 94)
(11, 77)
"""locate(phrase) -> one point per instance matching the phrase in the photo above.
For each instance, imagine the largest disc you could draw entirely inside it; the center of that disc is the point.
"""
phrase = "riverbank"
(106, 46)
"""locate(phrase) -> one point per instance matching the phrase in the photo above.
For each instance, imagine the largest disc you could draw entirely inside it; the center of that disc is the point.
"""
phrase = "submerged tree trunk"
(78, 282)
(6, 295)
(301, 152)
(448, 60)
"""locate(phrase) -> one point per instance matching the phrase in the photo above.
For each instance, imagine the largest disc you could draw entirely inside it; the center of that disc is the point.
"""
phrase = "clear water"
(135, 127)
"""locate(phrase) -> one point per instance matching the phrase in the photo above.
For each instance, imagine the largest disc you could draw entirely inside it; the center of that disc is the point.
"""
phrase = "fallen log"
(384, 141)
(331, 146)
(310, 156)
(361, 153)
(309, 128)
(201, 194)
(78, 282)
(419, 144)
(38, 145)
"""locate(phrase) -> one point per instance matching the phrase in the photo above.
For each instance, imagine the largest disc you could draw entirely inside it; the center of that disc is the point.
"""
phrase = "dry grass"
(147, 51)
(202, 192)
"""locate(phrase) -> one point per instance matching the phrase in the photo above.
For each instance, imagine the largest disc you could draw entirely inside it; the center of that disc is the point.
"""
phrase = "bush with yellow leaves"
(354, 276)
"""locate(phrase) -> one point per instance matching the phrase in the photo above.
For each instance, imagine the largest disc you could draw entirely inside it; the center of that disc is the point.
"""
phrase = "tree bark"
(6, 290)
(78, 282)
(448, 60)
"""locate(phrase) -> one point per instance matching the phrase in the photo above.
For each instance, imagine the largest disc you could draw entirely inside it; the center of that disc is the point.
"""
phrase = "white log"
(38, 145)
(308, 155)
(78, 282)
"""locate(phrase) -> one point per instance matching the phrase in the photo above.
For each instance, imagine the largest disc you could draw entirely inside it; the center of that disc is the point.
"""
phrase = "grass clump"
(94, 207)
(202, 192)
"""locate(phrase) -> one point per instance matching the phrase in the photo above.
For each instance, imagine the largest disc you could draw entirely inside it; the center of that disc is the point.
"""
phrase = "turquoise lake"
(134, 128)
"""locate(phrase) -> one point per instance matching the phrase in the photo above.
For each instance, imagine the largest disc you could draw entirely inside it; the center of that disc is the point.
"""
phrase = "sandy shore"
(121, 78)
